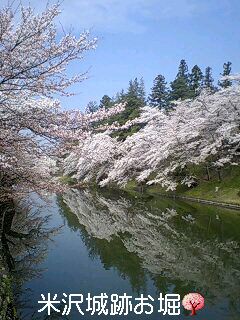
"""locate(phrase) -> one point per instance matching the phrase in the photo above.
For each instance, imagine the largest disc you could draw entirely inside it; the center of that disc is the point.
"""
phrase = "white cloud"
(122, 15)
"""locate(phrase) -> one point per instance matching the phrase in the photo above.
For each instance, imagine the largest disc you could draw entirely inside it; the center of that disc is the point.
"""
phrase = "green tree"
(134, 99)
(132, 90)
(105, 102)
(136, 93)
(180, 88)
(196, 80)
(226, 72)
(91, 107)
(208, 81)
(159, 93)
(119, 97)
(182, 70)
(142, 92)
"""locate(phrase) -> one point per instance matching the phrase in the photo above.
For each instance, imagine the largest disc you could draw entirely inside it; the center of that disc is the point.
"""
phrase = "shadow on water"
(24, 237)
(154, 245)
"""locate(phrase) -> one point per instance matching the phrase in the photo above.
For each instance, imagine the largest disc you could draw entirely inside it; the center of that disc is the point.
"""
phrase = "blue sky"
(142, 38)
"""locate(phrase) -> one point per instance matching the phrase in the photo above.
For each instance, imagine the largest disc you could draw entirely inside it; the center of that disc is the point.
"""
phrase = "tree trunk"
(193, 311)
(208, 173)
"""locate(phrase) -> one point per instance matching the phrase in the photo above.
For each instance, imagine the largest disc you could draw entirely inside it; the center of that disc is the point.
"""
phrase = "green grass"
(68, 180)
(228, 190)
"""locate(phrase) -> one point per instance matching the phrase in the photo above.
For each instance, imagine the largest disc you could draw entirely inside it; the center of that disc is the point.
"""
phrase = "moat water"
(112, 243)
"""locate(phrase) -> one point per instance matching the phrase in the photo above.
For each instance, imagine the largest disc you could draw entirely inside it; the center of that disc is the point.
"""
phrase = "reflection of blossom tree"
(167, 245)
(24, 236)
(112, 252)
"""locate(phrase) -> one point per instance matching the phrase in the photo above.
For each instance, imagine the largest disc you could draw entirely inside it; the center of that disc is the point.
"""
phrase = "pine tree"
(134, 98)
(196, 80)
(142, 91)
(105, 102)
(91, 107)
(159, 93)
(208, 81)
(182, 70)
(226, 72)
(132, 89)
(119, 97)
(136, 93)
(180, 88)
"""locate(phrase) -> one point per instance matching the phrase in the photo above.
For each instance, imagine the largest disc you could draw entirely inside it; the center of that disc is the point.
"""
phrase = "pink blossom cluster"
(34, 130)
(205, 130)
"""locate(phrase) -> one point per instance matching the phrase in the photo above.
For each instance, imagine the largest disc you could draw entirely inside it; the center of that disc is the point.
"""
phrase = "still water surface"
(111, 243)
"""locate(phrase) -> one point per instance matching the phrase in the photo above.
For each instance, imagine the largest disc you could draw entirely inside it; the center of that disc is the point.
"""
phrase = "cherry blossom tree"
(93, 159)
(203, 131)
(34, 130)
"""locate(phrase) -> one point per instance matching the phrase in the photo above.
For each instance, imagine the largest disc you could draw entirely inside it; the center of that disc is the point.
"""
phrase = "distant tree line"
(186, 85)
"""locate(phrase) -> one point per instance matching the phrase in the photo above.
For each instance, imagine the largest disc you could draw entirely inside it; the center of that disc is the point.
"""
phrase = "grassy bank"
(226, 190)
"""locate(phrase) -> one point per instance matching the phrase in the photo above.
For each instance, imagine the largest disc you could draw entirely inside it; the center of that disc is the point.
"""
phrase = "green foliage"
(68, 180)
(185, 86)
(180, 87)
(208, 81)
(123, 134)
(182, 70)
(142, 92)
(226, 72)
(196, 80)
(91, 107)
(159, 93)
(136, 93)
(135, 98)
(120, 97)
(7, 309)
(105, 102)
(225, 191)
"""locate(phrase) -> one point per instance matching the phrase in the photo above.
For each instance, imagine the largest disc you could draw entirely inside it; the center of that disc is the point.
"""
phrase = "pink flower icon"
(193, 302)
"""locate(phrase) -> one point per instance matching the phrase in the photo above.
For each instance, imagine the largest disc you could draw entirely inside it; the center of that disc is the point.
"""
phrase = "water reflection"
(114, 243)
(25, 236)
(182, 247)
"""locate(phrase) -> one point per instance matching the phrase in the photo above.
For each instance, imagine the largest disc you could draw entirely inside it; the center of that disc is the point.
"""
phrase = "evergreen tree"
(134, 99)
(105, 102)
(182, 70)
(208, 81)
(226, 72)
(180, 88)
(119, 97)
(133, 87)
(136, 93)
(196, 80)
(159, 94)
(142, 91)
(91, 107)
